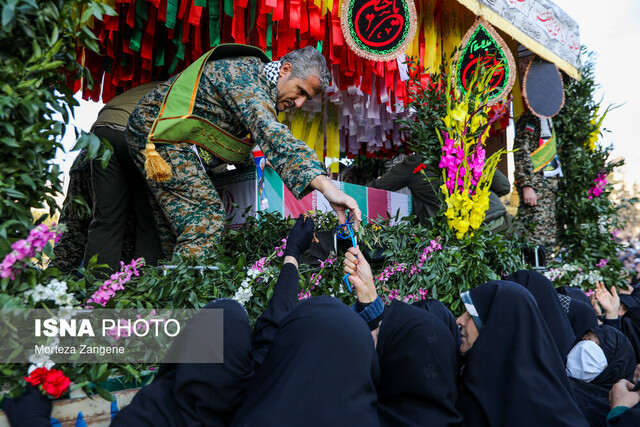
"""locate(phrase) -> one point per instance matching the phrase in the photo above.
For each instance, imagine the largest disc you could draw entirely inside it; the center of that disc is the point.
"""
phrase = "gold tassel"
(155, 166)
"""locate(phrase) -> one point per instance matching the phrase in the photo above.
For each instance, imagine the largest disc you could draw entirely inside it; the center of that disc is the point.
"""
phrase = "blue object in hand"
(345, 231)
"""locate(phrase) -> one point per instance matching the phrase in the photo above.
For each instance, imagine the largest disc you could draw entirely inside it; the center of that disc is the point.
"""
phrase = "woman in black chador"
(513, 374)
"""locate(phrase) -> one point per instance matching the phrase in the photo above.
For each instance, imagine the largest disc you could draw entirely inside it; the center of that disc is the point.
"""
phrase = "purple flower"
(115, 283)
(23, 249)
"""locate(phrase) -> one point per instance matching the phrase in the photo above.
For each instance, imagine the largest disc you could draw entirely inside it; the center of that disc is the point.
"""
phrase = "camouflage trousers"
(540, 220)
(188, 199)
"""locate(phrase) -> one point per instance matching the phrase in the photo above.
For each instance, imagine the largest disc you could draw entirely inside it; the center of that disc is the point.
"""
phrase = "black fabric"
(197, 394)
(513, 375)
(547, 299)
(300, 237)
(581, 317)
(283, 300)
(630, 418)
(629, 301)
(636, 291)
(320, 370)
(592, 400)
(631, 329)
(32, 409)
(115, 189)
(418, 369)
(439, 310)
(614, 323)
(575, 293)
(620, 356)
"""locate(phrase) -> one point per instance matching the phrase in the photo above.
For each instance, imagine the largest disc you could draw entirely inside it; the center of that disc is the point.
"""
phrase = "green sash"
(176, 122)
(544, 154)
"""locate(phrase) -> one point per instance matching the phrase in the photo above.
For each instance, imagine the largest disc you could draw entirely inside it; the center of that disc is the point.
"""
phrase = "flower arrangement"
(116, 282)
(38, 240)
(421, 294)
(576, 275)
(50, 381)
(596, 123)
(466, 172)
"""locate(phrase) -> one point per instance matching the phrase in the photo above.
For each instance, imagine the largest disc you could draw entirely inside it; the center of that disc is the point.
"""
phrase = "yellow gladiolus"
(460, 112)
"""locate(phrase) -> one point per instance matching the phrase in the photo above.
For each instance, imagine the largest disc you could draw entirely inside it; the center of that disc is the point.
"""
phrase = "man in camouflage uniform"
(240, 95)
(537, 192)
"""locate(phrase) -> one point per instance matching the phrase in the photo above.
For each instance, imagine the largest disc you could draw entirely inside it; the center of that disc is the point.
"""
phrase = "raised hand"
(610, 302)
(300, 237)
(360, 275)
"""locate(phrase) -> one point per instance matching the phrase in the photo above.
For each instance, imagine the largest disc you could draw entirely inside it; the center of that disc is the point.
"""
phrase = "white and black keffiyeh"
(565, 301)
(272, 70)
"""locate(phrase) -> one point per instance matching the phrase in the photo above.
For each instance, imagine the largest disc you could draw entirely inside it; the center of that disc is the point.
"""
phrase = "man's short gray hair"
(308, 62)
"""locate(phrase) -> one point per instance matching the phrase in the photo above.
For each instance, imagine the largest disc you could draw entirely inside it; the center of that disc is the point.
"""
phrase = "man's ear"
(285, 69)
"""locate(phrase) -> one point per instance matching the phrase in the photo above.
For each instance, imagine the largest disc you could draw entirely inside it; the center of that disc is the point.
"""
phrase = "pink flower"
(6, 267)
(23, 249)
(115, 283)
(327, 262)
(602, 263)
(304, 295)
(259, 265)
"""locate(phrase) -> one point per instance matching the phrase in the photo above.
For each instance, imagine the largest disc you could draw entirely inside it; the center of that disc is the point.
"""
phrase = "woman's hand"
(360, 275)
(610, 302)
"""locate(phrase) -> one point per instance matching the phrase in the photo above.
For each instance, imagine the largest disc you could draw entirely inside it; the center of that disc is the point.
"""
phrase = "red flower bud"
(37, 376)
(419, 168)
(56, 383)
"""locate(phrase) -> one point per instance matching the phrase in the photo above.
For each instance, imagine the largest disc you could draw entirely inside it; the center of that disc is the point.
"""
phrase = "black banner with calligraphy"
(483, 45)
(379, 30)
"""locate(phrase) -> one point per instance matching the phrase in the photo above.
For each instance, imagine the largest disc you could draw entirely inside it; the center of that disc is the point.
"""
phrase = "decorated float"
(385, 55)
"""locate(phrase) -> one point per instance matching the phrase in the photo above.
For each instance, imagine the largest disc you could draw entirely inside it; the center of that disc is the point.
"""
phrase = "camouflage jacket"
(235, 95)
(527, 140)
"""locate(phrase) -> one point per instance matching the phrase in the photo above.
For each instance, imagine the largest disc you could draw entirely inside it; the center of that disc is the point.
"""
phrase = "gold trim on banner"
(511, 65)
(516, 33)
(526, 98)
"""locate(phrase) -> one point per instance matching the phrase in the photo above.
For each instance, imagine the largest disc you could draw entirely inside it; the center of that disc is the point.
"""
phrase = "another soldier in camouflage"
(241, 96)
(537, 192)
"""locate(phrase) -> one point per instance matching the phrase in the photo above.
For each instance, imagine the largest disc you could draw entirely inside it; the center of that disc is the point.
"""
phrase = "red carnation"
(56, 383)
(37, 376)
(419, 168)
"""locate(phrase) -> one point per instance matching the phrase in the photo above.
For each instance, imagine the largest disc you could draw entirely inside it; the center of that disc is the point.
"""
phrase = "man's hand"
(610, 302)
(338, 199)
(621, 395)
(529, 196)
(636, 374)
(360, 275)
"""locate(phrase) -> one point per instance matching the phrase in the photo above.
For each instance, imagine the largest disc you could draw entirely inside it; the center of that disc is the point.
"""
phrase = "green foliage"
(192, 283)
(459, 266)
(37, 54)
(428, 105)
(585, 237)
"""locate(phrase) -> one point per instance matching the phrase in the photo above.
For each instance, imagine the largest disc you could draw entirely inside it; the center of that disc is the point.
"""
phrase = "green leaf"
(105, 394)
(8, 15)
